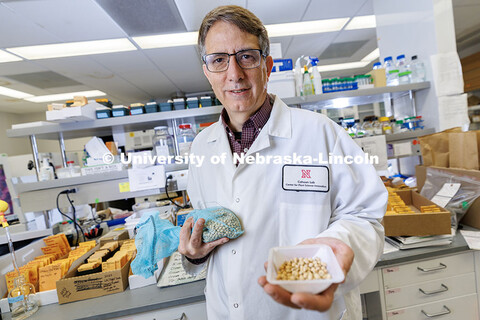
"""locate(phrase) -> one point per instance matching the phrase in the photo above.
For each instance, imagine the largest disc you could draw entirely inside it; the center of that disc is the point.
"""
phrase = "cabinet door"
(460, 308)
(425, 292)
(192, 311)
(421, 271)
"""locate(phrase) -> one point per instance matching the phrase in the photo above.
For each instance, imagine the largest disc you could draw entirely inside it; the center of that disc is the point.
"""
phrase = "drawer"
(422, 271)
(425, 292)
(459, 308)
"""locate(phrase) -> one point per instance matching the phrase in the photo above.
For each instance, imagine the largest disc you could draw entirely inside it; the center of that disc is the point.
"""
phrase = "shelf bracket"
(33, 143)
(61, 142)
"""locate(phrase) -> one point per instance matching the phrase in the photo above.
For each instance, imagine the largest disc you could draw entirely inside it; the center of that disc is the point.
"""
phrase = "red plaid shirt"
(240, 142)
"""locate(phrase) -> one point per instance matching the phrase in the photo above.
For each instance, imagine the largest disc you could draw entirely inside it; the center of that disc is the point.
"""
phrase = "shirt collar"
(258, 119)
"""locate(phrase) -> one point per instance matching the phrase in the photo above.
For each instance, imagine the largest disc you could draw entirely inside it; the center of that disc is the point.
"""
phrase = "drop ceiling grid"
(193, 11)
(342, 9)
(309, 44)
(20, 31)
(182, 65)
(154, 83)
(279, 11)
(18, 67)
(69, 21)
(15, 85)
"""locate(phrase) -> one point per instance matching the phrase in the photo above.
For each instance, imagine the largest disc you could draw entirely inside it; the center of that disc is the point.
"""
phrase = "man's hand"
(191, 244)
(322, 301)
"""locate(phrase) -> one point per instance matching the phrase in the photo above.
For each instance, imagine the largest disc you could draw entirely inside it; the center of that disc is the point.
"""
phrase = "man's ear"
(269, 61)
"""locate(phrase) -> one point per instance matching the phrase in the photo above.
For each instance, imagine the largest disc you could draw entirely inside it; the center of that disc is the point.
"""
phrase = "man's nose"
(235, 72)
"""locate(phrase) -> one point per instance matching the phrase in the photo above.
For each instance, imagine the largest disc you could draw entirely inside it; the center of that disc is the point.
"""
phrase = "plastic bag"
(461, 201)
(158, 238)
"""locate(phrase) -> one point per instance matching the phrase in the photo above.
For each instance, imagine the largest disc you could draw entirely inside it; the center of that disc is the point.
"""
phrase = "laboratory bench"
(385, 280)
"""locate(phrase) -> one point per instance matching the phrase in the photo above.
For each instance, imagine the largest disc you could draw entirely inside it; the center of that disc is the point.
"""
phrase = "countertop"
(153, 298)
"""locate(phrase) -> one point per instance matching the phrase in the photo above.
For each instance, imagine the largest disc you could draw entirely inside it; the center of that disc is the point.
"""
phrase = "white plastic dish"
(279, 255)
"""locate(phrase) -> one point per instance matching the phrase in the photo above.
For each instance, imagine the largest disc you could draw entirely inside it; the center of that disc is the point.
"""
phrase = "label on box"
(402, 149)
(443, 197)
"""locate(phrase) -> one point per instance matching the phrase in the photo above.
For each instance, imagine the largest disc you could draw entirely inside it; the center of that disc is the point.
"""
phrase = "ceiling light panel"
(66, 96)
(13, 93)
(8, 57)
(72, 49)
(305, 27)
(167, 40)
(363, 22)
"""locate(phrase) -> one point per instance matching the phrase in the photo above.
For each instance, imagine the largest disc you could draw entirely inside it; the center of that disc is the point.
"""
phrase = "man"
(341, 207)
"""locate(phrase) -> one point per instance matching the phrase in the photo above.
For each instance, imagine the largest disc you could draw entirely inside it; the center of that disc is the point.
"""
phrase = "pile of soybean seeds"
(303, 269)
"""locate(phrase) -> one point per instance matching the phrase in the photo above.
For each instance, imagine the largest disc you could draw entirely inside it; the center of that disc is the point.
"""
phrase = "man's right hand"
(191, 244)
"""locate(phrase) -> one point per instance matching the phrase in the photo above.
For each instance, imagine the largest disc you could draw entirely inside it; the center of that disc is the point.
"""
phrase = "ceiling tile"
(21, 30)
(341, 49)
(144, 17)
(44, 79)
(193, 11)
(69, 20)
(366, 9)
(280, 11)
(309, 45)
(19, 67)
(183, 67)
(333, 9)
(154, 83)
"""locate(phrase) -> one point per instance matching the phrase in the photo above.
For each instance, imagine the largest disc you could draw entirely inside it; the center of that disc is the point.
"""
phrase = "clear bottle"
(22, 299)
(185, 138)
(163, 145)
(377, 127)
(307, 83)
(359, 132)
(418, 70)
(316, 78)
(386, 127)
(46, 171)
(388, 64)
(367, 127)
(402, 65)
(405, 77)
(377, 65)
(392, 78)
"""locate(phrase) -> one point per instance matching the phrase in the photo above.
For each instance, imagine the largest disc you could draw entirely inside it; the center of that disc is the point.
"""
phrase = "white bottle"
(317, 79)
(418, 70)
(46, 171)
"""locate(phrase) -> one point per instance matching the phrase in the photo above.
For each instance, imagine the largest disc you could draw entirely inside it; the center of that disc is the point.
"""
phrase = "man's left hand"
(321, 301)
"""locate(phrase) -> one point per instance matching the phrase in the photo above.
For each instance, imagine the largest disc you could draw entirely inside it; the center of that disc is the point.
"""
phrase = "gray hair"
(244, 19)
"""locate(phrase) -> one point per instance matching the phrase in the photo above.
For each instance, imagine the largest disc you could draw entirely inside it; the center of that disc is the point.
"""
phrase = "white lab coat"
(271, 216)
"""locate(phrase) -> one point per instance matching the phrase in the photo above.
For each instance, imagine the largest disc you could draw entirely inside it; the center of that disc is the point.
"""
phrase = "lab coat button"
(235, 305)
(237, 200)
(234, 252)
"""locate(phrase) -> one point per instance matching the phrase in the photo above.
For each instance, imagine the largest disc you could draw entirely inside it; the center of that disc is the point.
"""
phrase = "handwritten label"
(395, 313)
(391, 291)
(390, 270)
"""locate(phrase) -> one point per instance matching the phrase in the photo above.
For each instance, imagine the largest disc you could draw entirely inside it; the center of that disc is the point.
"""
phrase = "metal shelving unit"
(105, 187)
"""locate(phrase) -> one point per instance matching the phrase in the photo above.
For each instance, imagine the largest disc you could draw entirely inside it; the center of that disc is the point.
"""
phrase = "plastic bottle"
(359, 132)
(317, 79)
(46, 171)
(307, 83)
(367, 127)
(185, 138)
(405, 77)
(163, 145)
(402, 65)
(418, 70)
(377, 65)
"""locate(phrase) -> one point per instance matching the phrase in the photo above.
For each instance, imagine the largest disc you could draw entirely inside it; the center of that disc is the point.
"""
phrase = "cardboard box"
(378, 77)
(114, 235)
(72, 288)
(416, 224)
(472, 217)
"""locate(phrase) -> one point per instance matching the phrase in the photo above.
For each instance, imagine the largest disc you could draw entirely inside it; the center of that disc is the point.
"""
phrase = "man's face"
(241, 91)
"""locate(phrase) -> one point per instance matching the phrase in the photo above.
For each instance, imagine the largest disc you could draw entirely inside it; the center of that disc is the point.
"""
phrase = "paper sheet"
(375, 146)
(388, 248)
(453, 111)
(447, 73)
(147, 178)
(472, 238)
(174, 274)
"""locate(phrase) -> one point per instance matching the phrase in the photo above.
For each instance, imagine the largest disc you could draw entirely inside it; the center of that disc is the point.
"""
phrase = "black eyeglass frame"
(204, 59)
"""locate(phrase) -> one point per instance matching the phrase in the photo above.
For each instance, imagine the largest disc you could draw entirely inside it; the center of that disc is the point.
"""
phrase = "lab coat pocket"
(298, 222)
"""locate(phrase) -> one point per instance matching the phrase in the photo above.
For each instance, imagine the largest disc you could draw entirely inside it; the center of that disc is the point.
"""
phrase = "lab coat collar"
(279, 124)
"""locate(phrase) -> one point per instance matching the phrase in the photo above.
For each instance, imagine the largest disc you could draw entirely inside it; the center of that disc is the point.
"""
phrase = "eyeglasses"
(246, 59)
